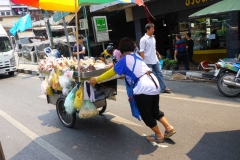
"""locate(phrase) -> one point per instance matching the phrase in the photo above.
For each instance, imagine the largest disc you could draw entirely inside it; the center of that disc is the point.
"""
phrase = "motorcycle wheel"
(227, 90)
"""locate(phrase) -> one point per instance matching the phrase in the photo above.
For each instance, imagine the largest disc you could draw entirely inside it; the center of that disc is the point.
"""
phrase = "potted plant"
(167, 63)
(174, 64)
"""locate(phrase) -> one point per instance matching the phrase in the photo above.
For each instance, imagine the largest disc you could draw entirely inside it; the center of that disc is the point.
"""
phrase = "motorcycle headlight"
(12, 61)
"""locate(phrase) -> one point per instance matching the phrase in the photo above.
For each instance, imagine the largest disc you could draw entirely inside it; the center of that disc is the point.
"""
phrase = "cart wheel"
(68, 120)
(103, 108)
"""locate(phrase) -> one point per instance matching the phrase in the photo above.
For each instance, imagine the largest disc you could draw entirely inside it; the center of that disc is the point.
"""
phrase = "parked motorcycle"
(228, 75)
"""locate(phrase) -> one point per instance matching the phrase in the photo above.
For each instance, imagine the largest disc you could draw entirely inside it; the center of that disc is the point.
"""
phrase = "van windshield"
(5, 44)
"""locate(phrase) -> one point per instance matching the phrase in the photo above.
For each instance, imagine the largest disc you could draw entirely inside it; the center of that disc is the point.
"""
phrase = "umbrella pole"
(76, 23)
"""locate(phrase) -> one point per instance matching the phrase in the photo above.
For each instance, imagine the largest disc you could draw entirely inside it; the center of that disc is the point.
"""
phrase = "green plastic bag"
(68, 104)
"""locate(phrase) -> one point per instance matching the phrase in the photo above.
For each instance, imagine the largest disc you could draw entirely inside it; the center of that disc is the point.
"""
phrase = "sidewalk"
(33, 70)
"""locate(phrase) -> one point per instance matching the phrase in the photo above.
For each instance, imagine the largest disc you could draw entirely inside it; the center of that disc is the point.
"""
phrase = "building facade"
(171, 18)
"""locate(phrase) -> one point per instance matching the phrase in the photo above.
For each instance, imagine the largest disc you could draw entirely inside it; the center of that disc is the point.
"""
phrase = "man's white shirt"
(148, 46)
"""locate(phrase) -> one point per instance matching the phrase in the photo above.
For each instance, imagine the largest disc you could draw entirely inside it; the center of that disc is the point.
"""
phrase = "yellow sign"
(193, 2)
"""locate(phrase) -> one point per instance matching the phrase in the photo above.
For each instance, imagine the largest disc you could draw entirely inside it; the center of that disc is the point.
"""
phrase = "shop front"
(172, 18)
(216, 27)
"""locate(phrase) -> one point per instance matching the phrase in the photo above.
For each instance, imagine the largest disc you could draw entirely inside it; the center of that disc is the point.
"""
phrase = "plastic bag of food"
(70, 100)
(78, 98)
(46, 89)
(87, 110)
(55, 80)
(50, 77)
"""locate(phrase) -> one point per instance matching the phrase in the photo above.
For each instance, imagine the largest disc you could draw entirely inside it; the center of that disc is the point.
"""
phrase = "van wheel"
(11, 73)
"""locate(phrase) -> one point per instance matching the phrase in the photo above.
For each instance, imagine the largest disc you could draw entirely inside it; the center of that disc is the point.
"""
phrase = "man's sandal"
(167, 90)
(154, 138)
(168, 134)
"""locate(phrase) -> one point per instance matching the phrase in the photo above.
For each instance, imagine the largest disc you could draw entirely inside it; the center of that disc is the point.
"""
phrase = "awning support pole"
(76, 23)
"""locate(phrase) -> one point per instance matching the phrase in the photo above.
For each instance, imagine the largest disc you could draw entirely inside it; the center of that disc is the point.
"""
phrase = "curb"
(166, 73)
(26, 71)
(195, 74)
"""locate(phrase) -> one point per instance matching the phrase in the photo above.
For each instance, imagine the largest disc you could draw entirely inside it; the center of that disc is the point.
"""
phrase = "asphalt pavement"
(207, 125)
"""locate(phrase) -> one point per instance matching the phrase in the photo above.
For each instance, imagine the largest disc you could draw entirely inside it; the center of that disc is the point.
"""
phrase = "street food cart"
(103, 91)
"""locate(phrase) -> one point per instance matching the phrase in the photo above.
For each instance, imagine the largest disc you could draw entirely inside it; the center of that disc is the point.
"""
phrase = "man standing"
(148, 54)
(180, 53)
(189, 48)
(81, 48)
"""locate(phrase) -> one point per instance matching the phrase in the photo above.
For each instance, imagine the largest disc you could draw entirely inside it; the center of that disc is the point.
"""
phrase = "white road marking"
(120, 120)
(203, 101)
(51, 149)
(43, 96)
(156, 144)
(195, 100)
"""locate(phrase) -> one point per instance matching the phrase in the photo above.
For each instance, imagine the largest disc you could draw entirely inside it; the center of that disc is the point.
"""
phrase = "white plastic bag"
(86, 96)
(44, 87)
(65, 84)
(87, 110)
(50, 77)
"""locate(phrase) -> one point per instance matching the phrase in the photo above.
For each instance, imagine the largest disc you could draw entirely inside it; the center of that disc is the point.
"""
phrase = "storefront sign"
(195, 2)
(100, 28)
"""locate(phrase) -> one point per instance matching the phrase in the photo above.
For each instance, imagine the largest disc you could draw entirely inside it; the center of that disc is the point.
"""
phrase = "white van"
(7, 56)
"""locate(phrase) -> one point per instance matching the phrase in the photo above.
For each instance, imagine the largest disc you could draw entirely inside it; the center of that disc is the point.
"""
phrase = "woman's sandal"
(155, 138)
(168, 134)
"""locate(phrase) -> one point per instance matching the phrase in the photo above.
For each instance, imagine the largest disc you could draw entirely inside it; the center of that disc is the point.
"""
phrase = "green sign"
(59, 15)
(101, 24)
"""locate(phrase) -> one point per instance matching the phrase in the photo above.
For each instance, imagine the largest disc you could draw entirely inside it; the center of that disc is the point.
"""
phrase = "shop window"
(2, 13)
(207, 33)
(8, 13)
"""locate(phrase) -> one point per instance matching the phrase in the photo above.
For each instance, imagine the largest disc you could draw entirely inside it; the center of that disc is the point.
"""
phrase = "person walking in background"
(81, 48)
(180, 53)
(117, 53)
(136, 50)
(145, 89)
(189, 48)
(148, 54)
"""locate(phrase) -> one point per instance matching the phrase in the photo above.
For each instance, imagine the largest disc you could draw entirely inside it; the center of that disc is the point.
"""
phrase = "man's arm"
(158, 55)
(75, 51)
(175, 54)
(187, 46)
(142, 55)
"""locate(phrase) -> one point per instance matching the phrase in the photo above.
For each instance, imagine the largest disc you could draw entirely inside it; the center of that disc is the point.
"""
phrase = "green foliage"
(170, 62)
(173, 62)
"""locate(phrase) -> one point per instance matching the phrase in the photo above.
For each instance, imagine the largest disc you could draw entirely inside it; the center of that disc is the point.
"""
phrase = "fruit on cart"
(72, 67)
(87, 64)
